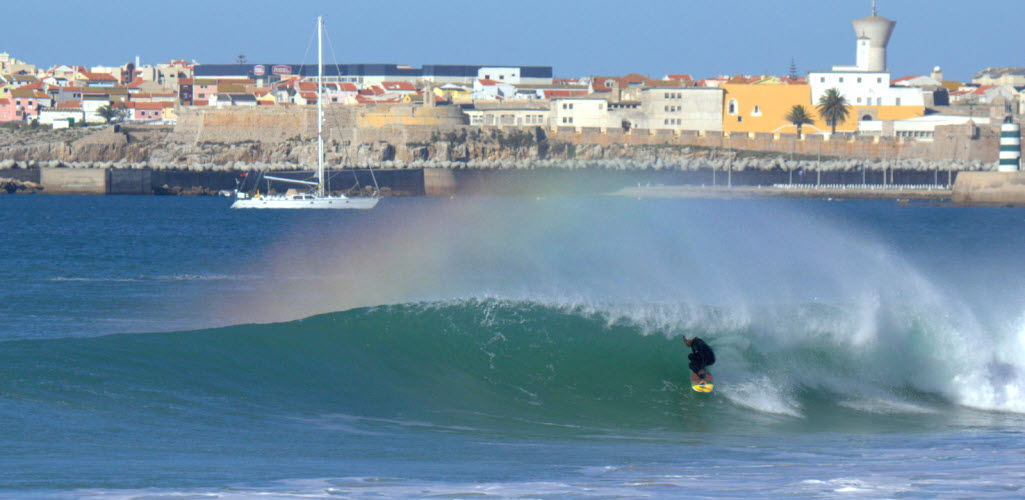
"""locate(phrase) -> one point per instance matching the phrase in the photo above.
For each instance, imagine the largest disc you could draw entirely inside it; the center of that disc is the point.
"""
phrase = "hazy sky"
(576, 37)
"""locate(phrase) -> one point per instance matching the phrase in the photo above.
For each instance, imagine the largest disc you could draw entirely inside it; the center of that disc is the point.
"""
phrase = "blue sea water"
(156, 347)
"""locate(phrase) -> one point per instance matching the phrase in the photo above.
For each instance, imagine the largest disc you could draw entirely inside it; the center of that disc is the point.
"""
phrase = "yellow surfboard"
(701, 385)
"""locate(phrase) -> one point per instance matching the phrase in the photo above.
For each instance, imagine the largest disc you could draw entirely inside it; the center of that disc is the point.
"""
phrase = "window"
(822, 80)
(879, 80)
(859, 100)
(757, 111)
(570, 105)
(841, 79)
(732, 107)
(898, 101)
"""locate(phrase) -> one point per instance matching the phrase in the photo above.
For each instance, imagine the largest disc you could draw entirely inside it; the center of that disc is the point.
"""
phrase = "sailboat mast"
(320, 108)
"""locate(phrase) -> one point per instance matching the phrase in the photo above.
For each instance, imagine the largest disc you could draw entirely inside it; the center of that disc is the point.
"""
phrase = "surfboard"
(701, 385)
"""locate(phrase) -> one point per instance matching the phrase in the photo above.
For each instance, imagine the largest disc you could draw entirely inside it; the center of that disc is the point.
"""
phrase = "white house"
(90, 104)
(491, 90)
(582, 111)
(61, 117)
(510, 75)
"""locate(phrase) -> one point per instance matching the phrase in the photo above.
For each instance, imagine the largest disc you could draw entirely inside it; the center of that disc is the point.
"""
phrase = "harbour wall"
(449, 181)
(990, 189)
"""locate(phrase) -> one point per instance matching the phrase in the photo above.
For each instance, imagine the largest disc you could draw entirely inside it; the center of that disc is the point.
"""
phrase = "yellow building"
(754, 108)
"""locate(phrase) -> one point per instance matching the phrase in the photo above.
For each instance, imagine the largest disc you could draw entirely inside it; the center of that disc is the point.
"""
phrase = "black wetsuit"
(701, 355)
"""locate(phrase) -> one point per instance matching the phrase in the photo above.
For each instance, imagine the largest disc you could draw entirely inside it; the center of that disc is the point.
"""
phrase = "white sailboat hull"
(327, 202)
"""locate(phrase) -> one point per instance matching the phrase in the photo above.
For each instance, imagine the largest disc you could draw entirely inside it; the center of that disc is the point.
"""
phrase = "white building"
(867, 83)
(61, 118)
(864, 88)
(658, 108)
(489, 90)
(921, 128)
(582, 111)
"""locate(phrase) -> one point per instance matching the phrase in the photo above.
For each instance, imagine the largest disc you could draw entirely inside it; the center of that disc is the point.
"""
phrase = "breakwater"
(461, 181)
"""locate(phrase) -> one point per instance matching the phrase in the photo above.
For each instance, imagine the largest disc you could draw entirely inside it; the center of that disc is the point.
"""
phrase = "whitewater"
(515, 347)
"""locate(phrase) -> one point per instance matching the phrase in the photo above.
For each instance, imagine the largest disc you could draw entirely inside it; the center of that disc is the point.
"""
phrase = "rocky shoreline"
(110, 147)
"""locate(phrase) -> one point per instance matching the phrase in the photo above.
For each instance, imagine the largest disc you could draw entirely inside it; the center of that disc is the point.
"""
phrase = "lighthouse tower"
(873, 34)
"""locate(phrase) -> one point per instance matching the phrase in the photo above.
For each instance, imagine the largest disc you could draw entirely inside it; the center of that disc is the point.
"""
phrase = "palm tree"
(115, 113)
(799, 117)
(108, 112)
(833, 107)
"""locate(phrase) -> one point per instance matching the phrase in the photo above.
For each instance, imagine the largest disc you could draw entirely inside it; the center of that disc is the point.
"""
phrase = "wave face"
(503, 365)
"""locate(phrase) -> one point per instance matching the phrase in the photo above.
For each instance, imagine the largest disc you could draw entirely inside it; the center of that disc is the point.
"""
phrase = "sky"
(577, 38)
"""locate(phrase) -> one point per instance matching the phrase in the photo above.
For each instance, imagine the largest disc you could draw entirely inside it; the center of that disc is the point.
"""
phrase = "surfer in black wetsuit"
(701, 356)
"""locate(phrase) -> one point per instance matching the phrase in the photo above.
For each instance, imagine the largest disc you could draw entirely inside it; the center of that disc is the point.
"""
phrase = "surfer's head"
(687, 341)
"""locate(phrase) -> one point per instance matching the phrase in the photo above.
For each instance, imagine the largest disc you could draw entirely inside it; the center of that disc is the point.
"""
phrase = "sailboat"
(315, 197)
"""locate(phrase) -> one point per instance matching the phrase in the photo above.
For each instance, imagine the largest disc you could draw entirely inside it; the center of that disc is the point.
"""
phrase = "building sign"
(281, 69)
(259, 70)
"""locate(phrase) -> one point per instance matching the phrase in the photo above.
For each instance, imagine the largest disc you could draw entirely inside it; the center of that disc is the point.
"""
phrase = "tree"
(107, 112)
(111, 113)
(833, 108)
(799, 117)
(241, 58)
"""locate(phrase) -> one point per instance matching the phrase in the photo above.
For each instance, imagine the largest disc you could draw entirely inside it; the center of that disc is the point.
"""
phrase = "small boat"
(315, 197)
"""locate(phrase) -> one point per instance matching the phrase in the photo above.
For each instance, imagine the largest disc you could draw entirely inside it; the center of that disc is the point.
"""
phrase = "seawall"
(990, 189)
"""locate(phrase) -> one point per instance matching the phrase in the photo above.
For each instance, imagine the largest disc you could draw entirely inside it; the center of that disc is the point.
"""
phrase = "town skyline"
(576, 39)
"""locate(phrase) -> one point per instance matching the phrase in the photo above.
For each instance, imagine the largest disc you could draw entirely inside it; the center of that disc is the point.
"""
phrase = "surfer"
(701, 356)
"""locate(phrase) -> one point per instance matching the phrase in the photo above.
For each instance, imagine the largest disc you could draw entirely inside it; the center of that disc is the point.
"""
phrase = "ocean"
(510, 347)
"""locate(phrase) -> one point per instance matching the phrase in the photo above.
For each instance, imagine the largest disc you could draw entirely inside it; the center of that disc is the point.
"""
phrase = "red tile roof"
(398, 86)
(98, 77)
(554, 93)
(70, 104)
(345, 87)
